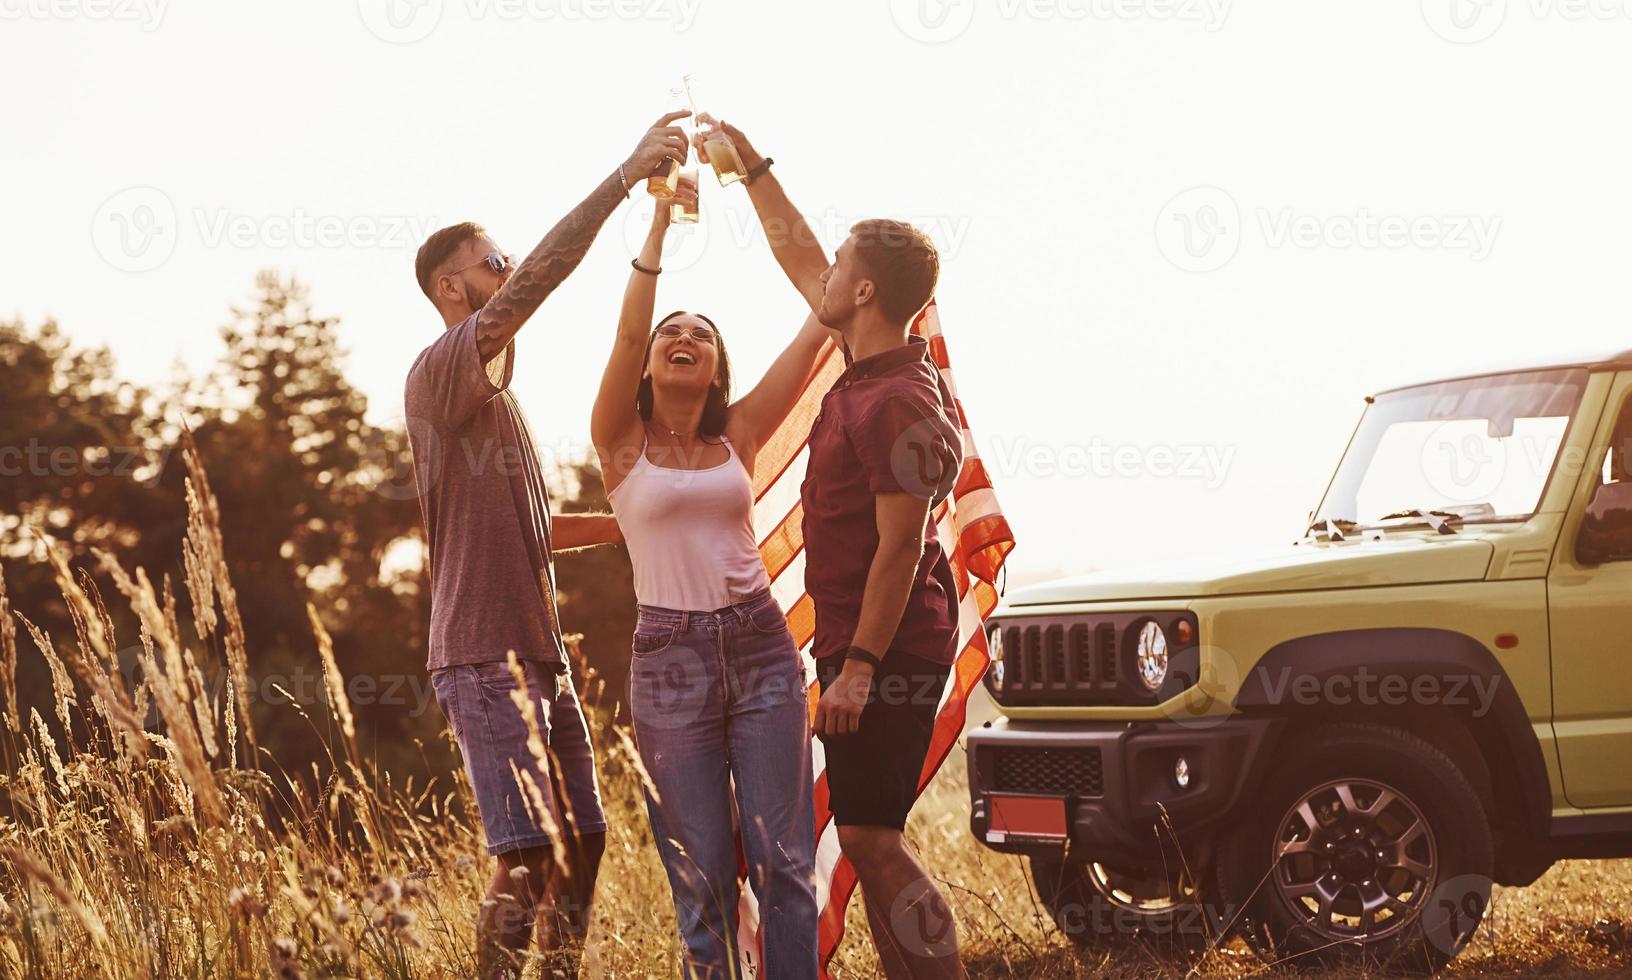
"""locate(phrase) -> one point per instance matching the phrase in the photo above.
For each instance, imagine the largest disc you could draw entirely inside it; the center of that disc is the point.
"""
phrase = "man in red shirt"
(884, 452)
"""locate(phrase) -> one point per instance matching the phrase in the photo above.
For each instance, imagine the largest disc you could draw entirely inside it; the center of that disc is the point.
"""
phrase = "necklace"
(674, 434)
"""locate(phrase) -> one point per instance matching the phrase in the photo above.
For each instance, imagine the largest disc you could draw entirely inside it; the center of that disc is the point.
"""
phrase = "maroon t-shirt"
(887, 426)
(485, 506)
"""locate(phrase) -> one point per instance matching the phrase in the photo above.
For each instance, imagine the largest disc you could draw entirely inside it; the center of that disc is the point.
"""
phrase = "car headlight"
(1152, 656)
(994, 643)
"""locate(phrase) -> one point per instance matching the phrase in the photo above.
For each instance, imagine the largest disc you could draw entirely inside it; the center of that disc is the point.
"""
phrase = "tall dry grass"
(157, 840)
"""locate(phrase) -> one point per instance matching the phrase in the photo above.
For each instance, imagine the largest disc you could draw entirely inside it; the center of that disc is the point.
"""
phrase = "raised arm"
(758, 414)
(614, 425)
(793, 243)
(560, 251)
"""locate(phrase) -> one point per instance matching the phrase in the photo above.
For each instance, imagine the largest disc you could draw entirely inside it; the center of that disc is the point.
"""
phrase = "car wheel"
(1368, 845)
(1093, 904)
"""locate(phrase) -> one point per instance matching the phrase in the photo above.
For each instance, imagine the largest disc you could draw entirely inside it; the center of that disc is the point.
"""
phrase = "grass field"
(152, 851)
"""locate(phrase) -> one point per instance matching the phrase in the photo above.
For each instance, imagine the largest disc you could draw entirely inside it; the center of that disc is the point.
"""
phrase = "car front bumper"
(1102, 789)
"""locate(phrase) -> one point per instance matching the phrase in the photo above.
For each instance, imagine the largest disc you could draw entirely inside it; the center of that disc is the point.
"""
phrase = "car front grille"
(1081, 660)
(1047, 772)
(1057, 658)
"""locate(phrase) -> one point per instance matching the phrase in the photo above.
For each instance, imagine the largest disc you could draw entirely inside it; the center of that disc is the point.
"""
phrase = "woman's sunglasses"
(700, 333)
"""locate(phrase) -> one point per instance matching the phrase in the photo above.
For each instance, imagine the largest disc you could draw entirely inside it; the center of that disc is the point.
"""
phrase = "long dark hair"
(719, 397)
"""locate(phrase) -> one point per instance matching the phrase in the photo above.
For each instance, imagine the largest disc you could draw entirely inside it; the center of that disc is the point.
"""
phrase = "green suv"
(1336, 747)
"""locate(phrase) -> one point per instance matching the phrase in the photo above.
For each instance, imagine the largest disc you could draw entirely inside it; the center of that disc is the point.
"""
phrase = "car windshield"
(1480, 449)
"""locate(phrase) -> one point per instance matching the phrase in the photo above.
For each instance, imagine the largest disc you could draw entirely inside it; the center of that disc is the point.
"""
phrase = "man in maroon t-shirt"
(884, 452)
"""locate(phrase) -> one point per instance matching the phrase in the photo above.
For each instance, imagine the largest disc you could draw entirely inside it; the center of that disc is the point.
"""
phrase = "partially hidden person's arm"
(560, 251)
(792, 241)
(571, 531)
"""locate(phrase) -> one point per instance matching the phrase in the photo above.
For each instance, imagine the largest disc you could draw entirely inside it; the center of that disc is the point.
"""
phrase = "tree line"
(317, 505)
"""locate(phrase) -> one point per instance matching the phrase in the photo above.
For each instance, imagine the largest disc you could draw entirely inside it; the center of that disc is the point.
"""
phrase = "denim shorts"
(492, 737)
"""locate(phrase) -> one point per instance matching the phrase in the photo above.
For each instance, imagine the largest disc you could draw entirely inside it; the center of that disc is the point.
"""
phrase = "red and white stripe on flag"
(977, 538)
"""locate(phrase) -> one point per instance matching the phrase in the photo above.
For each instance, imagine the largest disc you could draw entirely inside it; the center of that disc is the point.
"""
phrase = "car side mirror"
(1606, 527)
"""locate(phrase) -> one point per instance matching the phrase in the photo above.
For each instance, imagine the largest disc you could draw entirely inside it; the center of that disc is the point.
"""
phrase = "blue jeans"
(718, 700)
(493, 740)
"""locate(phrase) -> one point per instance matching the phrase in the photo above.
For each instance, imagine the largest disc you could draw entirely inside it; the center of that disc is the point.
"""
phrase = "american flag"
(977, 539)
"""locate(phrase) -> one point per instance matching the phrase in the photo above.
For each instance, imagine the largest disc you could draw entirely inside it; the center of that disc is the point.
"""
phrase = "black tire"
(1422, 857)
(1092, 921)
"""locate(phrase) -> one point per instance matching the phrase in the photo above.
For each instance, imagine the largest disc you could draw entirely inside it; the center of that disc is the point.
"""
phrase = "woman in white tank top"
(716, 682)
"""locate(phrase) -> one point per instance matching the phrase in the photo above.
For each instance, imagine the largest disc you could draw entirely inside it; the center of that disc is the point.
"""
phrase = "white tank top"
(690, 534)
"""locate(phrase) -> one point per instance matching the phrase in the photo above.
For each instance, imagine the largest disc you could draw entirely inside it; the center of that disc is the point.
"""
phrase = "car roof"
(1591, 362)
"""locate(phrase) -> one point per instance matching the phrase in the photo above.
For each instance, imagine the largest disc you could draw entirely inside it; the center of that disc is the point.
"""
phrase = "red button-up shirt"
(888, 425)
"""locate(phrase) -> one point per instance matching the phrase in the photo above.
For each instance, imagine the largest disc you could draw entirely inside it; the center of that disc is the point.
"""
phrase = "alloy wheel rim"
(1139, 894)
(1355, 859)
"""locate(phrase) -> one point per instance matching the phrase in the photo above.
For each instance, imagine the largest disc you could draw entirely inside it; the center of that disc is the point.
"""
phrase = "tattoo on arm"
(545, 268)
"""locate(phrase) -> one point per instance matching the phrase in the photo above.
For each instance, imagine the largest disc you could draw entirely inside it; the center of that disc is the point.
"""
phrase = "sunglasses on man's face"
(699, 333)
(497, 261)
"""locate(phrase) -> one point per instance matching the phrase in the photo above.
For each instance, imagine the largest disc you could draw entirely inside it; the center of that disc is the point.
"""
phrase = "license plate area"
(1026, 818)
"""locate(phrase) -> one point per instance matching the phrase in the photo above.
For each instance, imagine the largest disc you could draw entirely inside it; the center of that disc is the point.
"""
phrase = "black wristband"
(758, 172)
(857, 653)
(640, 268)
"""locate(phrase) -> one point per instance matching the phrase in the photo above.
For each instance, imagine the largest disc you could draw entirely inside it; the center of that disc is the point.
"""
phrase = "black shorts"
(872, 775)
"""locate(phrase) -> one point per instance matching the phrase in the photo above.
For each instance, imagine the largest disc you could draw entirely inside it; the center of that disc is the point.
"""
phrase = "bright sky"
(1387, 192)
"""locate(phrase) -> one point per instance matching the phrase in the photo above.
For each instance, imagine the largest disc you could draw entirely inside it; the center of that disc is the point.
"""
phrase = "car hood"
(1400, 558)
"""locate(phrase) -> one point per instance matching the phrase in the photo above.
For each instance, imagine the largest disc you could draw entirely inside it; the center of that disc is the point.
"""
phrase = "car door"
(1589, 596)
